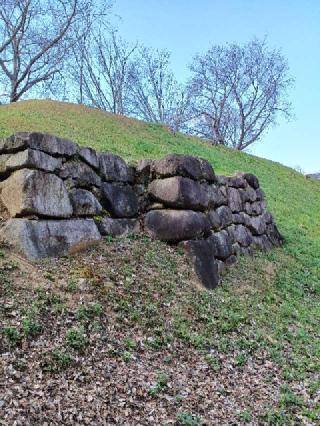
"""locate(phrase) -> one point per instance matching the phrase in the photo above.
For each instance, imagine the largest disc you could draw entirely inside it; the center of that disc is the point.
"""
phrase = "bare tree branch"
(35, 39)
(238, 92)
(155, 95)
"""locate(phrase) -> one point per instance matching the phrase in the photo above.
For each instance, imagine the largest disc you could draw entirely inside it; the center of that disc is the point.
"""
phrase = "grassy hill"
(266, 312)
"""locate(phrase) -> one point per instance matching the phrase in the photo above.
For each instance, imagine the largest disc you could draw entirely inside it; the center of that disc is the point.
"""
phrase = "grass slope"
(269, 304)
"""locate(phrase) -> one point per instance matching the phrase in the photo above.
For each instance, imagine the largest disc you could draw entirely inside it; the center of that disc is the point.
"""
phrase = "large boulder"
(40, 141)
(117, 227)
(114, 169)
(49, 238)
(29, 158)
(179, 192)
(121, 201)
(79, 174)
(201, 256)
(84, 203)
(183, 165)
(31, 192)
(176, 225)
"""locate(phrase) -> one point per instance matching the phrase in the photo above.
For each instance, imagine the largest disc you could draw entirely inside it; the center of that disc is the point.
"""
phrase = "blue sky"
(186, 27)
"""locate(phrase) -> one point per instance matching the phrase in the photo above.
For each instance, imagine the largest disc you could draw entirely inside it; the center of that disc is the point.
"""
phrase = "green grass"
(272, 301)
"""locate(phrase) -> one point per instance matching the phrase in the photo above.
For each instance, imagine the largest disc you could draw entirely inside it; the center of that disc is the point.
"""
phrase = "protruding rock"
(254, 209)
(261, 242)
(41, 141)
(240, 234)
(257, 225)
(143, 171)
(184, 165)
(30, 159)
(179, 192)
(240, 218)
(236, 181)
(176, 225)
(260, 194)
(222, 244)
(268, 217)
(236, 249)
(31, 192)
(252, 180)
(114, 169)
(214, 219)
(274, 235)
(49, 238)
(117, 227)
(90, 156)
(121, 201)
(201, 256)
(81, 175)
(234, 200)
(225, 215)
(216, 196)
(231, 260)
(248, 194)
(84, 203)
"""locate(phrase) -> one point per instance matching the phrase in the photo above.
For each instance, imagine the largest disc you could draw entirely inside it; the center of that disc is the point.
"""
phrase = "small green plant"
(31, 327)
(289, 398)
(13, 335)
(126, 356)
(188, 419)
(161, 384)
(57, 360)
(129, 343)
(2, 253)
(275, 418)
(213, 362)
(76, 338)
(72, 286)
(241, 359)
(89, 312)
(62, 358)
(245, 416)
(49, 276)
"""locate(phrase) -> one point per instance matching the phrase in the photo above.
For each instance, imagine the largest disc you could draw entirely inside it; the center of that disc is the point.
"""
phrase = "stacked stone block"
(57, 198)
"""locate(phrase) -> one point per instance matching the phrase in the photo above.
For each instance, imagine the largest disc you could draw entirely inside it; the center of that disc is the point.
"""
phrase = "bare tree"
(102, 70)
(35, 38)
(155, 95)
(238, 92)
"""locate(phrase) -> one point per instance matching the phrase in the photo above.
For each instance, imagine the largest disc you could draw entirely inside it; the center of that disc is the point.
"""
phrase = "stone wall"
(313, 176)
(57, 198)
